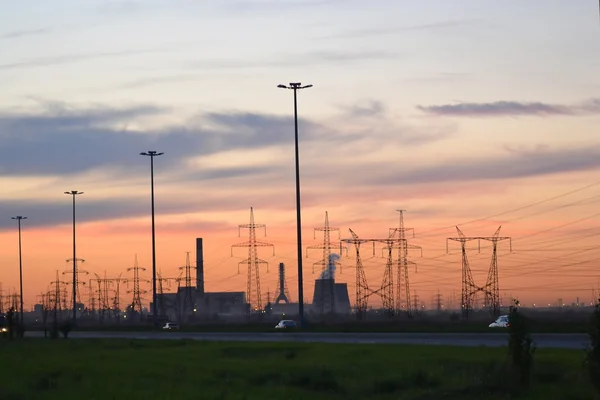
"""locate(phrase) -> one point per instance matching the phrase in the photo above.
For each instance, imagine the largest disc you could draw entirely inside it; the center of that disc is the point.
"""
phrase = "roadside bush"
(520, 348)
(592, 359)
(20, 330)
(65, 328)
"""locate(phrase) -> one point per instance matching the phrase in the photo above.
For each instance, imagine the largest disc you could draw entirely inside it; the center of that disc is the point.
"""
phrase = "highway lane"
(549, 340)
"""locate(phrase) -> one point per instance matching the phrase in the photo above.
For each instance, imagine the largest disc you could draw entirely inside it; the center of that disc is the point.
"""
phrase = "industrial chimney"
(199, 268)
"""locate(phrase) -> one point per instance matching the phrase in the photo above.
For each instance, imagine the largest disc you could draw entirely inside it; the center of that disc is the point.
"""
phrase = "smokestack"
(199, 267)
(282, 296)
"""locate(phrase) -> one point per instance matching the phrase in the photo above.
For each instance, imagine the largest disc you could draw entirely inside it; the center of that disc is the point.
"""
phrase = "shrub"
(20, 330)
(65, 328)
(592, 359)
(520, 348)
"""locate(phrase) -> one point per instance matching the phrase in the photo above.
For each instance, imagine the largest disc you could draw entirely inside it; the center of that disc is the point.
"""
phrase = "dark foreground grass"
(181, 369)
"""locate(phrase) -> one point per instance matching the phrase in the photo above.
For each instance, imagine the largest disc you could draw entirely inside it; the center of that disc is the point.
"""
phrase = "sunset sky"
(474, 113)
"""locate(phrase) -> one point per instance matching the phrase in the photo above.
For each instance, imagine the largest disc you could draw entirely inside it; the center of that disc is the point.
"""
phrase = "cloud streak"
(237, 157)
(512, 109)
(517, 164)
(363, 33)
(234, 149)
(294, 60)
(24, 33)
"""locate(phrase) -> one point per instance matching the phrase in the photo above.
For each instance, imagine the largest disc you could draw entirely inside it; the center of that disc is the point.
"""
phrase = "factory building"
(194, 303)
(191, 303)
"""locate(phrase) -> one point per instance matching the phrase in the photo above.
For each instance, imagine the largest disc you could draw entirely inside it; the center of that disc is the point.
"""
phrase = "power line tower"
(15, 299)
(416, 307)
(103, 302)
(284, 294)
(362, 288)
(327, 264)
(326, 246)
(136, 303)
(186, 305)
(253, 262)
(161, 282)
(116, 306)
(78, 282)
(386, 291)
(58, 291)
(1, 299)
(91, 300)
(402, 264)
(439, 302)
(44, 300)
(491, 289)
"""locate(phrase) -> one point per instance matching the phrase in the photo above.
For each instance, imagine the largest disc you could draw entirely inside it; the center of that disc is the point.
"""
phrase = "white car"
(171, 326)
(501, 322)
(286, 323)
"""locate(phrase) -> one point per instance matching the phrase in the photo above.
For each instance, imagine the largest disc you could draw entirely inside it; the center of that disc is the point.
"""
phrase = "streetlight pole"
(295, 87)
(153, 154)
(74, 193)
(19, 219)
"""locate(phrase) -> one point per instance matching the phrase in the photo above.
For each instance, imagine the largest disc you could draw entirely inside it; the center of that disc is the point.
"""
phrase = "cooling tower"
(342, 299)
(323, 296)
(330, 297)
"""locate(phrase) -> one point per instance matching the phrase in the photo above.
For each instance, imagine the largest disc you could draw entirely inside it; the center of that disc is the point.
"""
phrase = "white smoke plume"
(329, 271)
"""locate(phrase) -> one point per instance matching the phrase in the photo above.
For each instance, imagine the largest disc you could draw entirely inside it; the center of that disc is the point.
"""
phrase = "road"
(549, 340)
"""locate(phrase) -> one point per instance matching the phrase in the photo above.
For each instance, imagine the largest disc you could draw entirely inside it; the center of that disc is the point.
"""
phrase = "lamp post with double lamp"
(153, 154)
(74, 193)
(295, 87)
(19, 219)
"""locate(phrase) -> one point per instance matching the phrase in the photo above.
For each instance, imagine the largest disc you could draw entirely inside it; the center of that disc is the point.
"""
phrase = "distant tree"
(65, 328)
(10, 321)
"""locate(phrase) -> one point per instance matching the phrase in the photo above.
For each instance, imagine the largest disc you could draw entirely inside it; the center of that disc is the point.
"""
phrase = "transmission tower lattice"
(186, 304)
(284, 294)
(57, 296)
(326, 246)
(102, 292)
(402, 263)
(78, 272)
(386, 291)
(438, 301)
(491, 289)
(136, 303)
(253, 262)
(161, 282)
(328, 265)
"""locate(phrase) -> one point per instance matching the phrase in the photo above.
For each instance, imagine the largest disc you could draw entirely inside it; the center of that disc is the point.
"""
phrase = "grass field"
(129, 369)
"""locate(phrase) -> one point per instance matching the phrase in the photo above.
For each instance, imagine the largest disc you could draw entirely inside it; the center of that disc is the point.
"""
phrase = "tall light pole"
(74, 193)
(153, 154)
(19, 219)
(295, 87)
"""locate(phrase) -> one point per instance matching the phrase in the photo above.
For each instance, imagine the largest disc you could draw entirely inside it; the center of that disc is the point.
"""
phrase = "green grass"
(181, 369)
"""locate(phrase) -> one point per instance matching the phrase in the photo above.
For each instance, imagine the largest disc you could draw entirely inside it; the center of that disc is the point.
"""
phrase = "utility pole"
(19, 219)
(295, 87)
(153, 154)
(74, 193)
